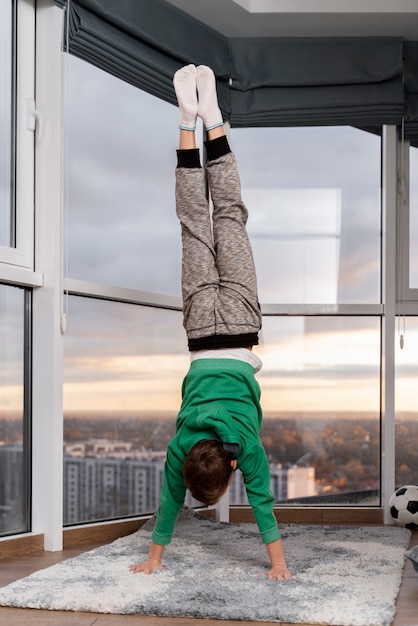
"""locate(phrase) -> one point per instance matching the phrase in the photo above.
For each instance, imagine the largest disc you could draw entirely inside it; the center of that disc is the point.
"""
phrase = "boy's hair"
(207, 470)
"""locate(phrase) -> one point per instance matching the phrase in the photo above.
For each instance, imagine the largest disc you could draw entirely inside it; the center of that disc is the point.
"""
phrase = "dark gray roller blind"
(311, 81)
(145, 42)
(363, 82)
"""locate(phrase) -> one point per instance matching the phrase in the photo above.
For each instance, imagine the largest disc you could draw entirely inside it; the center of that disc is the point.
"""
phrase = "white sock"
(185, 87)
(207, 108)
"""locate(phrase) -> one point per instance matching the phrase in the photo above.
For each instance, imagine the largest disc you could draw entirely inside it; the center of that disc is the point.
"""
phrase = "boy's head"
(207, 470)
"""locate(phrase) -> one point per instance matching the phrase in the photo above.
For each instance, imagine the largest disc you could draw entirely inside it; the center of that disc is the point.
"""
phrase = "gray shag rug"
(347, 576)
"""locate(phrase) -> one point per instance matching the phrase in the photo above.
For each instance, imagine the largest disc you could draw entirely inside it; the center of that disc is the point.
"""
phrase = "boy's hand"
(147, 567)
(153, 562)
(278, 568)
(278, 572)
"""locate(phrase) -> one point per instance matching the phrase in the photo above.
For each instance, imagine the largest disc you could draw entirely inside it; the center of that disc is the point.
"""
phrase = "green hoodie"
(220, 399)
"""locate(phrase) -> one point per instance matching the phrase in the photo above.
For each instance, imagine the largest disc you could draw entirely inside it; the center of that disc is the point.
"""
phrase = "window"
(7, 67)
(313, 196)
(16, 249)
(123, 369)
(14, 410)
(406, 466)
(123, 362)
(321, 398)
(314, 201)
(123, 228)
(17, 125)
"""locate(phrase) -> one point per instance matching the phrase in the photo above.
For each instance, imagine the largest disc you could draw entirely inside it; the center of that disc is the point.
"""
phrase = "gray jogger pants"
(219, 285)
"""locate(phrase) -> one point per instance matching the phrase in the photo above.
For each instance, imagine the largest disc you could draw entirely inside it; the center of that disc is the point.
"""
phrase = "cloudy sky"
(313, 196)
(314, 201)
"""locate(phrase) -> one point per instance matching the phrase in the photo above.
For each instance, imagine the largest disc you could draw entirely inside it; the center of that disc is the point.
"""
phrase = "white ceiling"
(306, 18)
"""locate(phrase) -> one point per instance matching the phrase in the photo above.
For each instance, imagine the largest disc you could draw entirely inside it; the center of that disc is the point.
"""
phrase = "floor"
(13, 568)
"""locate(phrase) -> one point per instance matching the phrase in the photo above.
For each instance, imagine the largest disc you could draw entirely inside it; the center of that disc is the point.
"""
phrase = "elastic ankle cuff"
(188, 158)
(217, 147)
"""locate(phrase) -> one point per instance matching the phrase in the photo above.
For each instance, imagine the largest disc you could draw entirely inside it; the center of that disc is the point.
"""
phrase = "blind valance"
(141, 43)
(311, 81)
(361, 81)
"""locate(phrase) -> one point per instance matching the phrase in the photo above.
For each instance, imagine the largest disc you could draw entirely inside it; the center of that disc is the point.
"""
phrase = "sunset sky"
(314, 227)
(314, 201)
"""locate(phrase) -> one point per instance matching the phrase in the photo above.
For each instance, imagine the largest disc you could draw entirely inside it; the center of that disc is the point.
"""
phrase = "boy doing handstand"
(217, 427)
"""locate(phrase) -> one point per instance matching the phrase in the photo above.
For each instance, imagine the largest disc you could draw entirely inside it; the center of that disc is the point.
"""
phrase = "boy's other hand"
(147, 567)
(278, 572)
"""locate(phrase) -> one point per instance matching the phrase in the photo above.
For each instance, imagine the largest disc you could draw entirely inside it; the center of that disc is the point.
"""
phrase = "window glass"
(406, 459)
(122, 143)
(6, 124)
(124, 365)
(320, 387)
(413, 220)
(314, 200)
(13, 420)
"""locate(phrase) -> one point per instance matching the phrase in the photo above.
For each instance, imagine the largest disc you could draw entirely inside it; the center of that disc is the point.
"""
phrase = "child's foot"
(207, 108)
(185, 87)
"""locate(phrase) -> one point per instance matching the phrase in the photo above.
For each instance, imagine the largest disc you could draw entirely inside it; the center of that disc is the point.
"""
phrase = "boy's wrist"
(153, 558)
(155, 553)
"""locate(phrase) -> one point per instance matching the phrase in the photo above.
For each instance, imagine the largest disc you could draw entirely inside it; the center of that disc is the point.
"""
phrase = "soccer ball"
(403, 505)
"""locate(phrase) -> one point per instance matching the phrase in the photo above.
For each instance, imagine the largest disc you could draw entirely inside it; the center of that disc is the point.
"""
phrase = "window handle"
(34, 119)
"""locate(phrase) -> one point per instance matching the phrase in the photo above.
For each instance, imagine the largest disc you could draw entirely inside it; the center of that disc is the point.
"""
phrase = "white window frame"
(21, 257)
(47, 350)
(36, 262)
